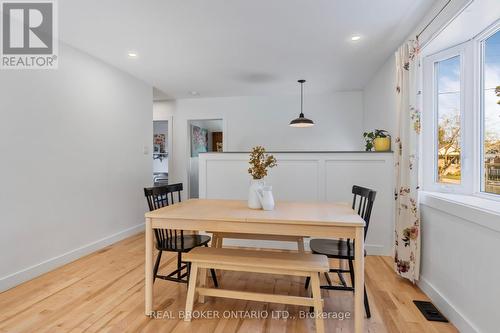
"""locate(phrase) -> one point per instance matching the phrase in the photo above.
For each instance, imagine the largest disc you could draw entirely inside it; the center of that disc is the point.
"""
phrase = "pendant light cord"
(301, 98)
(301, 121)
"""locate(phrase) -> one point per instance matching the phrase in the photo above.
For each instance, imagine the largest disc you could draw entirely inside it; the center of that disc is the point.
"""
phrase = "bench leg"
(318, 305)
(217, 243)
(300, 245)
(202, 283)
(191, 292)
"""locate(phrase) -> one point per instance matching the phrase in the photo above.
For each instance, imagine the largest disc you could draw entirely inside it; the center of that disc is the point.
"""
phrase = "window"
(448, 113)
(490, 87)
(461, 117)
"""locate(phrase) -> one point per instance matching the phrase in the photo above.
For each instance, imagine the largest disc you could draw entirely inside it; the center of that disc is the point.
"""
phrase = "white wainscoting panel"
(323, 176)
(223, 179)
(372, 171)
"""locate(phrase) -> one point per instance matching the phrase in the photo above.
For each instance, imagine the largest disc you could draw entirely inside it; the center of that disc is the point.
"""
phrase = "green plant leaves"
(370, 136)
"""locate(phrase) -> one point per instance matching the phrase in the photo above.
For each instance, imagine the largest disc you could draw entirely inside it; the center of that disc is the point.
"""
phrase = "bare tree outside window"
(448, 122)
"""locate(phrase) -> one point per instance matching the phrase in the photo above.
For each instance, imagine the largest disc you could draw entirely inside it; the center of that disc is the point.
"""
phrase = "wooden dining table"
(311, 219)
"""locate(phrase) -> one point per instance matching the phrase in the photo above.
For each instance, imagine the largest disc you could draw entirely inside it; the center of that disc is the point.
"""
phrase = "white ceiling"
(241, 47)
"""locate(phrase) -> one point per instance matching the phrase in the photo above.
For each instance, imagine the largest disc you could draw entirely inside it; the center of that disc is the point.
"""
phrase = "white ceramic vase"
(253, 195)
(266, 197)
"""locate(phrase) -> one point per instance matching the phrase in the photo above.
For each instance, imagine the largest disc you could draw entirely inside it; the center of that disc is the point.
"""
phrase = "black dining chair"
(173, 240)
(344, 249)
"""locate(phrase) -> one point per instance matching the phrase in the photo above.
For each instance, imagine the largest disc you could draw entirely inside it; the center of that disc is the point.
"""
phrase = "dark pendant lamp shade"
(301, 121)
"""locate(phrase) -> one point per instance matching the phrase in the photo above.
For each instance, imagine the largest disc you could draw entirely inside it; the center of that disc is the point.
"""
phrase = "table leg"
(359, 278)
(149, 268)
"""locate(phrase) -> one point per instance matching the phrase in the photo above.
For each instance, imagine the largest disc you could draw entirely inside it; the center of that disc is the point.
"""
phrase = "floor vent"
(429, 311)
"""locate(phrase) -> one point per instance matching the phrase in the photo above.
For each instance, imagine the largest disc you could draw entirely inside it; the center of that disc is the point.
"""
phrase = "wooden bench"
(286, 263)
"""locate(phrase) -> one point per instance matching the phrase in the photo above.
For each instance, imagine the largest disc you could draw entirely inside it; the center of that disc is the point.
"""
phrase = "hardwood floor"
(104, 292)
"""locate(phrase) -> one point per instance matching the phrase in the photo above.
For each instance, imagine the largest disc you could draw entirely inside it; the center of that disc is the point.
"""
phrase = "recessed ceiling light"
(194, 93)
(355, 38)
(132, 55)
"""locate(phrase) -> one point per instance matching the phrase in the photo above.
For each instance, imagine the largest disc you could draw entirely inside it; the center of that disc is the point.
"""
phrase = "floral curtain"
(407, 228)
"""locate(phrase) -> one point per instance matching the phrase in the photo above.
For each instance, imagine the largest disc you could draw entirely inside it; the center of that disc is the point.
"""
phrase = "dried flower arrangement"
(259, 162)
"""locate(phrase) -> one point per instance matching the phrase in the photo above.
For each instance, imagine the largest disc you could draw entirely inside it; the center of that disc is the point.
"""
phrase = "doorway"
(205, 135)
(160, 152)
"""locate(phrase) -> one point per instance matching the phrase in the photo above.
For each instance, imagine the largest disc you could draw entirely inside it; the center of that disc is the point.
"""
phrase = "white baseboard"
(11, 280)
(378, 250)
(449, 311)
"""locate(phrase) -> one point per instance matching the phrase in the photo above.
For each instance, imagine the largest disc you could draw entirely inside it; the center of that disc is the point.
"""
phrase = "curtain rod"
(432, 20)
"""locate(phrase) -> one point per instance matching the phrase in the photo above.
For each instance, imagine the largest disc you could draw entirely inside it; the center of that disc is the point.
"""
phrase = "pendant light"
(301, 121)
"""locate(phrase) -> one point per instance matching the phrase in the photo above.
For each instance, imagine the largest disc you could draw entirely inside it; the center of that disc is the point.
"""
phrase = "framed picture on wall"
(159, 143)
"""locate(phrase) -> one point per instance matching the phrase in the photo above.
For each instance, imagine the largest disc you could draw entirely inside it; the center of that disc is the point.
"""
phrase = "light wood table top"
(314, 213)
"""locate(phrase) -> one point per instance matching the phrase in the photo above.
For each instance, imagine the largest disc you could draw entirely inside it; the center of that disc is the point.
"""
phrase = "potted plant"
(378, 139)
(259, 163)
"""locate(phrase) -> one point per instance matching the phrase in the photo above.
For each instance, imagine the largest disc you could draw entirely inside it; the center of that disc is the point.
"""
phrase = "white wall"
(73, 167)
(251, 121)
(163, 110)
(460, 271)
(379, 99)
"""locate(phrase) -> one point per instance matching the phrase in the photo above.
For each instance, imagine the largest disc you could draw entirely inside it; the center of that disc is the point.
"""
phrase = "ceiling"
(241, 47)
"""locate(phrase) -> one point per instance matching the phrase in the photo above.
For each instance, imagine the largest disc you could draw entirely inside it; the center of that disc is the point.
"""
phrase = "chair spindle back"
(365, 204)
(159, 197)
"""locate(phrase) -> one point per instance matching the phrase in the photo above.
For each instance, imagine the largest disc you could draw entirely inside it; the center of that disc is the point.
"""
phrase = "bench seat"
(255, 259)
(285, 263)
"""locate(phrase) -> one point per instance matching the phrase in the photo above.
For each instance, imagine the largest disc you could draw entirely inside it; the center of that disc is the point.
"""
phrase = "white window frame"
(478, 66)
(430, 122)
(471, 55)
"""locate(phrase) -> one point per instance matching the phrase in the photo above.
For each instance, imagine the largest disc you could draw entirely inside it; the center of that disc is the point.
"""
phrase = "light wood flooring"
(104, 292)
